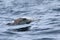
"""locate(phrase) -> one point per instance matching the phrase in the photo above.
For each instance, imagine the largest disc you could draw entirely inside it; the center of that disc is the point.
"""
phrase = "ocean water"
(46, 14)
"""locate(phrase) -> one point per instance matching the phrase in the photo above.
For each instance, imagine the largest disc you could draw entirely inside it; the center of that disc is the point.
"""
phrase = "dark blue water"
(46, 14)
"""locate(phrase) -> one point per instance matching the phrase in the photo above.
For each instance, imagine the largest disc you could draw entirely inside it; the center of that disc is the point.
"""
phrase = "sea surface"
(46, 14)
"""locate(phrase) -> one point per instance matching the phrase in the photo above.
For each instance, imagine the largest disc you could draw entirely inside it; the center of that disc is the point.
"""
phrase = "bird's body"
(20, 21)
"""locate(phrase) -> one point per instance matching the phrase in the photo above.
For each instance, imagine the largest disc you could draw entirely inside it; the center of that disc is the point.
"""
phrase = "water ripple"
(45, 39)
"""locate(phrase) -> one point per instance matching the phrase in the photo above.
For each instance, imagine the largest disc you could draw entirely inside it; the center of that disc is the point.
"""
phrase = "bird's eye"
(24, 19)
